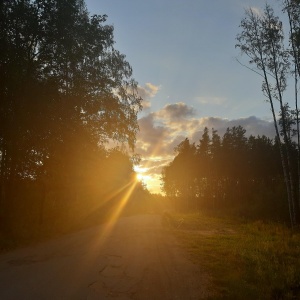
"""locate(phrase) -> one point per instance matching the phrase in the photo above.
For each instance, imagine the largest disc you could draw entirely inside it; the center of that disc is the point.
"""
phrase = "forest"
(233, 173)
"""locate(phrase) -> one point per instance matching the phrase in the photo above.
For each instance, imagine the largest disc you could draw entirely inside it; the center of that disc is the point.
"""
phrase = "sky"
(183, 57)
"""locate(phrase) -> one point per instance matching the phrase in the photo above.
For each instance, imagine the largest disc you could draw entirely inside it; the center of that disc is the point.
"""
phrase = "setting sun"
(139, 177)
(150, 180)
(141, 174)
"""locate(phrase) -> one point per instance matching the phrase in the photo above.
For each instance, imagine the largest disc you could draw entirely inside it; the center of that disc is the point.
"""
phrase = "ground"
(135, 258)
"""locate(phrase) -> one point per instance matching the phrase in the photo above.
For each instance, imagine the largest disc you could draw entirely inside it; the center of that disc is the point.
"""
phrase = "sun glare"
(139, 177)
(140, 170)
(126, 190)
(141, 174)
(151, 181)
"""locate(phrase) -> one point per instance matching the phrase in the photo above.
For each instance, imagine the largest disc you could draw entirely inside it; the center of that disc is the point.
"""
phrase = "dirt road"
(135, 259)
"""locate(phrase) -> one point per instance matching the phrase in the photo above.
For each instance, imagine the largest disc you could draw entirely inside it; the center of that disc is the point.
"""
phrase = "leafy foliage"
(65, 92)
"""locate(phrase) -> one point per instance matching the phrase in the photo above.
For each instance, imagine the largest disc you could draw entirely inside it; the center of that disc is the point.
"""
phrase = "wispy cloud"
(161, 131)
(147, 92)
(176, 112)
(253, 125)
(256, 10)
(151, 137)
(211, 100)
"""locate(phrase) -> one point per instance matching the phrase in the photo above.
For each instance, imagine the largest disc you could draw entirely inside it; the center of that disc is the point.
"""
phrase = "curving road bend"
(133, 259)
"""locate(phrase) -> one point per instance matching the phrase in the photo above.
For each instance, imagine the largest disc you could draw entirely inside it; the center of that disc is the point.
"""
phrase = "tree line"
(233, 173)
(66, 94)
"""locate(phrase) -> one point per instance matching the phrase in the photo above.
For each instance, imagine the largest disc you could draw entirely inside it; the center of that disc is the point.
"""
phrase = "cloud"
(253, 125)
(155, 166)
(151, 133)
(211, 100)
(176, 112)
(151, 136)
(256, 10)
(147, 92)
(161, 131)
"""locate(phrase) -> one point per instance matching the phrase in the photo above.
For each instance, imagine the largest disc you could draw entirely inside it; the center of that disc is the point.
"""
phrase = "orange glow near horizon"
(145, 174)
(151, 179)
(140, 174)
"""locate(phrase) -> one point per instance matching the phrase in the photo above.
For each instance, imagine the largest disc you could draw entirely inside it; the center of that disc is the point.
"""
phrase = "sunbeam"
(124, 193)
(118, 210)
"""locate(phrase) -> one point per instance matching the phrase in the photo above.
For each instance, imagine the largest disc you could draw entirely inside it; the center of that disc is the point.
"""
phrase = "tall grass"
(247, 260)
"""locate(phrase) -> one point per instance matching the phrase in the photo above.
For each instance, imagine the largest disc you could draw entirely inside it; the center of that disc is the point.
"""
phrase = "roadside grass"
(247, 260)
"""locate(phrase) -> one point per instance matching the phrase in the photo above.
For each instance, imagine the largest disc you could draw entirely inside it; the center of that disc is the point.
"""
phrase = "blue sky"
(183, 56)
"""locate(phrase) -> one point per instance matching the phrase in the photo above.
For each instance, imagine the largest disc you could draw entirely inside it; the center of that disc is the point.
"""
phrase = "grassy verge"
(247, 260)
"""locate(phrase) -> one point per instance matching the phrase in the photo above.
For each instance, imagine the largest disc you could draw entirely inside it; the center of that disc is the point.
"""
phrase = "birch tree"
(292, 8)
(262, 40)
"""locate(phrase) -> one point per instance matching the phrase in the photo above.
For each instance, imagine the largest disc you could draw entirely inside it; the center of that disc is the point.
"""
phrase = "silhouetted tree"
(232, 172)
(262, 40)
(292, 8)
(180, 175)
(65, 92)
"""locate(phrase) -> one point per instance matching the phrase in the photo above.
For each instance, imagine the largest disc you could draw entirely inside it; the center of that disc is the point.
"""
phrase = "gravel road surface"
(134, 259)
